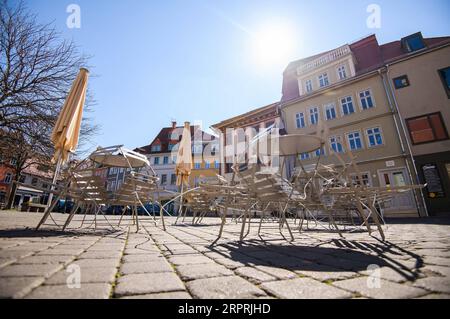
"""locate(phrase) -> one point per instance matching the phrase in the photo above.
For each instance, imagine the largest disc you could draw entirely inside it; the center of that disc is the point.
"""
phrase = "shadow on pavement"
(346, 256)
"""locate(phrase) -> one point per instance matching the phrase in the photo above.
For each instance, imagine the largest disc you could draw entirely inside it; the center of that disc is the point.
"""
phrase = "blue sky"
(154, 61)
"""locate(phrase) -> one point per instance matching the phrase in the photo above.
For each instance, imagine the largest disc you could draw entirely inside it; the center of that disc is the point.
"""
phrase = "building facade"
(161, 153)
(347, 89)
(236, 131)
(420, 86)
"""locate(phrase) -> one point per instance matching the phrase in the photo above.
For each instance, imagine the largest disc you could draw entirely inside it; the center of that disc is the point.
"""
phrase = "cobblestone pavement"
(183, 263)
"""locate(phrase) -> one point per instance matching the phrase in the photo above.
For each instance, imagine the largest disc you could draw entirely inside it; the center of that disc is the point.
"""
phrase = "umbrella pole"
(181, 203)
(50, 207)
(55, 177)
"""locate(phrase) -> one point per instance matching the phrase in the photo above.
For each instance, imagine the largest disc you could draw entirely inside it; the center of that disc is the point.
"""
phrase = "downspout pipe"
(395, 110)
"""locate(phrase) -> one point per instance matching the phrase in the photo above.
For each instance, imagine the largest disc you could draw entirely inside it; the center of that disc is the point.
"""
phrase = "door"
(397, 177)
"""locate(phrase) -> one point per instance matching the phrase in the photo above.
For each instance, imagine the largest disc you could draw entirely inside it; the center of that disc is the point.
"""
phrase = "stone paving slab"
(184, 263)
(304, 288)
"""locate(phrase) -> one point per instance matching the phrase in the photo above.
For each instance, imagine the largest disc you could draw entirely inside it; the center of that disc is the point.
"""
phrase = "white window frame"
(342, 105)
(314, 153)
(325, 78)
(156, 160)
(197, 148)
(162, 180)
(113, 186)
(317, 111)
(8, 178)
(369, 177)
(165, 160)
(197, 165)
(297, 115)
(347, 136)
(328, 106)
(367, 136)
(309, 86)
(307, 156)
(360, 99)
(338, 70)
(156, 148)
(339, 140)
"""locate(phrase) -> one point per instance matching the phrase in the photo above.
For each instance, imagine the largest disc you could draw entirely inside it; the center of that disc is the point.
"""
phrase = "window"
(34, 181)
(309, 86)
(163, 179)
(445, 77)
(341, 72)
(113, 185)
(319, 152)
(13, 161)
(401, 82)
(22, 179)
(366, 99)
(300, 120)
(156, 161)
(173, 179)
(174, 159)
(207, 165)
(44, 185)
(171, 146)
(304, 156)
(314, 115)
(347, 105)
(354, 140)
(156, 148)
(197, 149)
(323, 80)
(356, 179)
(197, 165)
(427, 128)
(166, 160)
(216, 164)
(8, 178)
(374, 137)
(413, 42)
(336, 144)
(330, 111)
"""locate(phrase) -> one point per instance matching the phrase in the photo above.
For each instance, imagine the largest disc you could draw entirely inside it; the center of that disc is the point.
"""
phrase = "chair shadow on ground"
(355, 256)
(27, 232)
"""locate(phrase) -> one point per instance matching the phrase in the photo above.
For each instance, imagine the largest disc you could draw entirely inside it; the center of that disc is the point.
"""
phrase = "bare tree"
(37, 68)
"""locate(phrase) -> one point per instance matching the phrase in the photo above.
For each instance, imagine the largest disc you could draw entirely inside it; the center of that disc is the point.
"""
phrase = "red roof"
(165, 137)
(368, 54)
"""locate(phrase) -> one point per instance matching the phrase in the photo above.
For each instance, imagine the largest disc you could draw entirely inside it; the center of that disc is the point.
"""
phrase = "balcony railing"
(325, 59)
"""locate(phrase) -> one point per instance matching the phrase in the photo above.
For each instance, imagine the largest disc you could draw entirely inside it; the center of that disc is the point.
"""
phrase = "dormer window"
(308, 85)
(156, 148)
(323, 80)
(413, 42)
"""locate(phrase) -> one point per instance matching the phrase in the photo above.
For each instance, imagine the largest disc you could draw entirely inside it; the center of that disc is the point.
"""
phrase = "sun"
(274, 44)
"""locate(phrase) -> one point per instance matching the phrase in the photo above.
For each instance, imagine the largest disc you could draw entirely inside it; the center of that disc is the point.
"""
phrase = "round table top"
(295, 144)
(118, 160)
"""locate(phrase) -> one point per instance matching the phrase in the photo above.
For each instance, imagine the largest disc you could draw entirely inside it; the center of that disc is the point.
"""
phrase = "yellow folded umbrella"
(183, 165)
(67, 128)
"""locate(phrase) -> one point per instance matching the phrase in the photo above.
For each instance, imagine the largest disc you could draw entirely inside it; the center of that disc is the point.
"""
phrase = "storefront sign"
(433, 181)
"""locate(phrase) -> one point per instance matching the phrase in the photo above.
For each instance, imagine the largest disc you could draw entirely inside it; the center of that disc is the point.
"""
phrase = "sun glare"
(274, 44)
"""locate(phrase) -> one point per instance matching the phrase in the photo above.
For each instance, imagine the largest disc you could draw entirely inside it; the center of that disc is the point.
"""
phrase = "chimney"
(174, 124)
